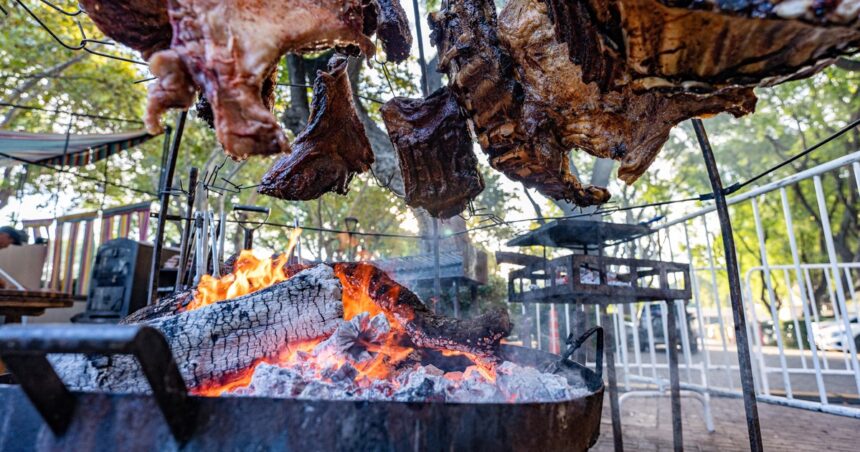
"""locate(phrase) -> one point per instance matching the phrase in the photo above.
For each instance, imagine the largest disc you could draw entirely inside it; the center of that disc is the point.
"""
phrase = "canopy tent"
(61, 149)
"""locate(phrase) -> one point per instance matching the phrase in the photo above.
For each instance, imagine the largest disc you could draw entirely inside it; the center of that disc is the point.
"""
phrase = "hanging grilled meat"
(142, 25)
(229, 50)
(612, 77)
(681, 46)
(330, 150)
(434, 148)
(604, 117)
(388, 20)
(481, 75)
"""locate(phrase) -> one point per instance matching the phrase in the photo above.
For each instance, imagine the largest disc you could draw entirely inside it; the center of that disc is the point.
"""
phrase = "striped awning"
(60, 149)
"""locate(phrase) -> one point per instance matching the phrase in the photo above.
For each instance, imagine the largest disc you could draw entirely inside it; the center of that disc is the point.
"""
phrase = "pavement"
(647, 426)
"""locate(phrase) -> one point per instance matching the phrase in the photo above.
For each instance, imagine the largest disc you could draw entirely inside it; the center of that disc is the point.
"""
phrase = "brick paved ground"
(647, 426)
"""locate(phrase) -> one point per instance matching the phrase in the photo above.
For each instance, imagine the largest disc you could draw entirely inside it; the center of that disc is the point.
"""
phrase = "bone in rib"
(229, 48)
(434, 149)
(481, 75)
(479, 336)
(330, 150)
(213, 343)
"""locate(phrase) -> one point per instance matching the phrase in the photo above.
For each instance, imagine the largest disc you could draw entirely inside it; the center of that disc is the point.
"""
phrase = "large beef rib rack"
(612, 77)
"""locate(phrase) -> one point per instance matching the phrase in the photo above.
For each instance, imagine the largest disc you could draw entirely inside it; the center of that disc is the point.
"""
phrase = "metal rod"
(186, 229)
(437, 276)
(166, 187)
(837, 279)
(609, 352)
(422, 62)
(674, 377)
(771, 293)
(744, 361)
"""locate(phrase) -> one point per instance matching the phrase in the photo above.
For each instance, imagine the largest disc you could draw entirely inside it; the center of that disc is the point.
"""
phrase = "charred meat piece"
(392, 28)
(434, 148)
(480, 336)
(481, 75)
(142, 25)
(330, 150)
(619, 122)
(230, 48)
(704, 46)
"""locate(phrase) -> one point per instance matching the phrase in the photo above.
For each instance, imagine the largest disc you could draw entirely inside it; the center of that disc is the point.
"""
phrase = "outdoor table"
(17, 303)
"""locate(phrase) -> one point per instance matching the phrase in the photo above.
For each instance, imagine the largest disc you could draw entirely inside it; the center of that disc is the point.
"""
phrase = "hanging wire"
(310, 228)
(301, 85)
(64, 112)
(61, 10)
(78, 175)
(83, 43)
(801, 154)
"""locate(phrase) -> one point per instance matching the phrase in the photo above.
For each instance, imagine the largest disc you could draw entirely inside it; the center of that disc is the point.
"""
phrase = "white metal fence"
(803, 336)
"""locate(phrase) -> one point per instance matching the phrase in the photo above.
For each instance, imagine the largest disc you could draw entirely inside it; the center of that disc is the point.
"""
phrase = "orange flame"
(250, 275)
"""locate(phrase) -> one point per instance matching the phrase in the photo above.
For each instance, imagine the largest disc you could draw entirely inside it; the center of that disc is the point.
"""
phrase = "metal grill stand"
(566, 282)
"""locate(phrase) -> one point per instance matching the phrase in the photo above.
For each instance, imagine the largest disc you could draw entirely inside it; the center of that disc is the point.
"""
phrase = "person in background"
(11, 236)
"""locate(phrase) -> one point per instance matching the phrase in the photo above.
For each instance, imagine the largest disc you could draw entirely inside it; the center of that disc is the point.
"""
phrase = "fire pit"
(316, 358)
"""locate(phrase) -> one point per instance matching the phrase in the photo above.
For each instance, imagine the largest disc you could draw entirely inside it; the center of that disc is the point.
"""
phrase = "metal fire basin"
(107, 421)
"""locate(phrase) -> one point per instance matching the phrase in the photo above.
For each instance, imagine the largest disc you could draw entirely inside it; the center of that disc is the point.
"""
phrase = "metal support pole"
(744, 362)
(437, 276)
(674, 378)
(164, 193)
(425, 87)
(609, 354)
(186, 228)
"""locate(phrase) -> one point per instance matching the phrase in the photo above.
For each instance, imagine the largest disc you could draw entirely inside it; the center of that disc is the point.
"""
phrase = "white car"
(830, 334)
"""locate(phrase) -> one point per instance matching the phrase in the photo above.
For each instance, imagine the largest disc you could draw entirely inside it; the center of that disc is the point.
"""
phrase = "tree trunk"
(295, 117)
(32, 82)
(214, 343)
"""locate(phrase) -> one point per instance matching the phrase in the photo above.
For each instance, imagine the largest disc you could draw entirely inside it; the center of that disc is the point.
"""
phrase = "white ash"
(352, 337)
(332, 371)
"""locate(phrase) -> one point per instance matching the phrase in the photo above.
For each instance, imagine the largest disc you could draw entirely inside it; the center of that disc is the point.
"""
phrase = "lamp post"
(351, 226)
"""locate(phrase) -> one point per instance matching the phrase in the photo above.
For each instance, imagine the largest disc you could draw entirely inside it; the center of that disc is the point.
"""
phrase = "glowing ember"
(369, 356)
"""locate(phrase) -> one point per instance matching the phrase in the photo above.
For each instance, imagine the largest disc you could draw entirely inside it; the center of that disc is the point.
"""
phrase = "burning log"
(214, 343)
(370, 286)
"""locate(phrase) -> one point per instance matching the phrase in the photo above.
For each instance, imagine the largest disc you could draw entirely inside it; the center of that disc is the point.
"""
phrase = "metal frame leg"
(744, 361)
(609, 352)
(164, 193)
(674, 377)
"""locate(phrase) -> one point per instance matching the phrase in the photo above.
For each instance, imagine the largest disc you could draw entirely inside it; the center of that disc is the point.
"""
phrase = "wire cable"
(64, 112)
(78, 175)
(803, 153)
(82, 44)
